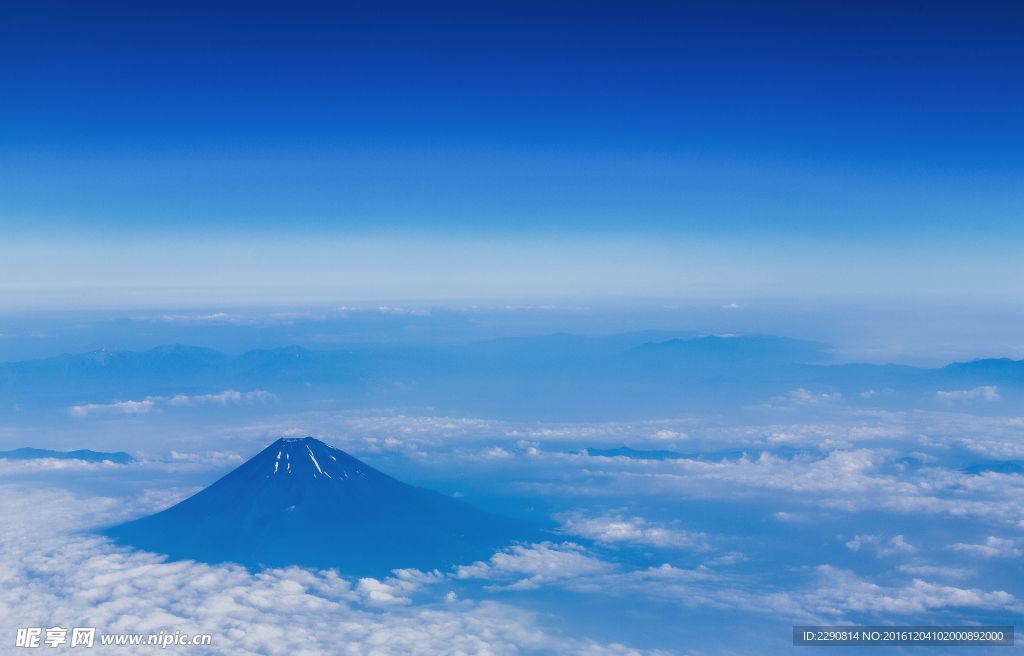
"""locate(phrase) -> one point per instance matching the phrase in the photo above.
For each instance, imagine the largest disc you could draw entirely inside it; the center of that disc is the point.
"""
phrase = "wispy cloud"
(993, 547)
(935, 571)
(398, 588)
(880, 546)
(803, 396)
(227, 397)
(832, 594)
(530, 566)
(848, 480)
(987, 393)
(613, 529)
(150, 403)
(117, 407)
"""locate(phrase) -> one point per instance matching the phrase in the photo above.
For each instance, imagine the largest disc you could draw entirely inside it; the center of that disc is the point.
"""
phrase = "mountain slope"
(302, 502)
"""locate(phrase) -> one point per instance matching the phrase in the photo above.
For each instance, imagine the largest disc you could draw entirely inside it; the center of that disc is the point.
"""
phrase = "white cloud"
(227, 397)
(12, 467)
(841, 465)
(993, 547)
(396, 589)
(987, 393)
(533, 565)
(802, 396)
(848, 480)
(492, 453)
(213, 317)
(833, 594)
(414, 312)
(880, 546)
(730, 558)
(839, 592)
(611, 529)
(117, 407)
(218, 457)
(937, 571)
(234, 319)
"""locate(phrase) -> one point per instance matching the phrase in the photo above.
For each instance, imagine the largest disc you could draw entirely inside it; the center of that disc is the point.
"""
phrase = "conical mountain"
(302, 502)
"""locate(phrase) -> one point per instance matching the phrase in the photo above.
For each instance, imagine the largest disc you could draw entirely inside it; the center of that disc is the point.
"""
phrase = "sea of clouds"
(863, 517)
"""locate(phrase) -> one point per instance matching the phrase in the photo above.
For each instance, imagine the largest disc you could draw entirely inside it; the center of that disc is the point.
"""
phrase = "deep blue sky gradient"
(726, 117)
(184, 154)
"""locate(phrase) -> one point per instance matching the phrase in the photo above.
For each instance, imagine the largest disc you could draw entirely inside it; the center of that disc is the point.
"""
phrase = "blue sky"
(426, 196)
(761, 141)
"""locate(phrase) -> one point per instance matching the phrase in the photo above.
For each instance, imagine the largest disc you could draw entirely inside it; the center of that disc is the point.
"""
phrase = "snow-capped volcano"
(302, 502)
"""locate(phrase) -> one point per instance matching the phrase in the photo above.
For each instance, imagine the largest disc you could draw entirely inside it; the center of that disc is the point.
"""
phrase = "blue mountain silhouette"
(302, 502)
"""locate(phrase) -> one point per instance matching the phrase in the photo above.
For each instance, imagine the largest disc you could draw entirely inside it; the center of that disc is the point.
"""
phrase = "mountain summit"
(302, 502)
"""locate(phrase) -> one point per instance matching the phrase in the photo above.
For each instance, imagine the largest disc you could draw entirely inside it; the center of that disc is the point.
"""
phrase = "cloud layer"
(50, 577)
(146, 405)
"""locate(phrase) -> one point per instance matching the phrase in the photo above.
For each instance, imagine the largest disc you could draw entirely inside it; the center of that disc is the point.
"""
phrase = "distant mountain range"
(302, 502)
(556, 376)
(28, 453)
